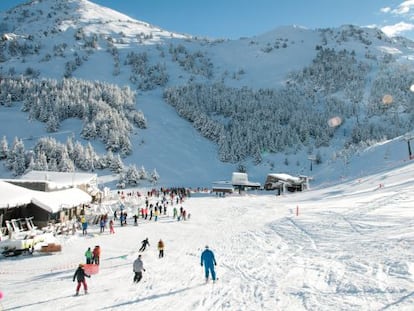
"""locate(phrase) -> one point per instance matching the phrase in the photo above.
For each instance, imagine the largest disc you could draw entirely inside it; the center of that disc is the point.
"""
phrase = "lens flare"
(387, 99)
(334, 122)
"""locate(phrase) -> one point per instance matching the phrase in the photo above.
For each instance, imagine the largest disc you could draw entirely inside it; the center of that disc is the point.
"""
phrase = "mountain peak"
(45, 17)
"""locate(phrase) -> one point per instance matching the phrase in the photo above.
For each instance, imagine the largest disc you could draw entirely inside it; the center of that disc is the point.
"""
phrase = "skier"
(80, 276)
(96, 254)
(125, 218)
(84, 226)
(160, 249)
(208, 260)
(144, 245)
(111, 227)
(102, 225)
(138, 267)
(88, 255)
(135, 220)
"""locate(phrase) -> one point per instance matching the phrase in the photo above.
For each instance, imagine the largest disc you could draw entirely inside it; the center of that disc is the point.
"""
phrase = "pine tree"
(143, 173)
(66, 164)
(16, 159)
(154, 176)
(4, 148)
(117, 165)
(132, 175)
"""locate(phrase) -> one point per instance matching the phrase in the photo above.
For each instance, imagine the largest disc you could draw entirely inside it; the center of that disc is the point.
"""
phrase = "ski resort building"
(286, 182)
(18, 201)
(222, 187)
(241, 181)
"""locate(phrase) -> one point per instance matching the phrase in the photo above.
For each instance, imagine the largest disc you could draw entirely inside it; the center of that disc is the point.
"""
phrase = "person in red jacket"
(80, 277)
(96, 254)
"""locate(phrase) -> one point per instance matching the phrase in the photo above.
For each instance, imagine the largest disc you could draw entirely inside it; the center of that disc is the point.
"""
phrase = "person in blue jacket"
(208, 261)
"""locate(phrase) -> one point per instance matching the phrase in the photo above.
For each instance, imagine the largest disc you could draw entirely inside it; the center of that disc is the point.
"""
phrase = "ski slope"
(345, 247)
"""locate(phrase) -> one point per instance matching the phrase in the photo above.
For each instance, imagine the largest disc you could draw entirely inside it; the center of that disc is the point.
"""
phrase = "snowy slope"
(344, 247)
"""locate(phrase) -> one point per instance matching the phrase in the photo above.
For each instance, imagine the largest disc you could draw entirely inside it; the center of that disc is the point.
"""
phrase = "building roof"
(56, 201)
(222, 185)
(286, 177)
(53, 201)
(241, 179)
(12, 196)
(59, 180)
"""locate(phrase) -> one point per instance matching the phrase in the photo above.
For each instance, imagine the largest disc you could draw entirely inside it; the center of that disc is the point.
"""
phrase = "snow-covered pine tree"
(4, 148)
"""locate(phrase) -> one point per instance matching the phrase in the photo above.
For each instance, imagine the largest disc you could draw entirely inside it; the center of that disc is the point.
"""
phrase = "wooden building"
(17, 201)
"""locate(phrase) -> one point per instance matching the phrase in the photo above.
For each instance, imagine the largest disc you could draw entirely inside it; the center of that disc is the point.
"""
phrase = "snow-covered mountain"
(295, 78)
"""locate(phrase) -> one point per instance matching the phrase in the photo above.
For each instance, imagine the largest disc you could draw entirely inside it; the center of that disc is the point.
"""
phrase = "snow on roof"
(285, 177)
(12, 195)
(241, 179)
(60, 180)
(54, 201)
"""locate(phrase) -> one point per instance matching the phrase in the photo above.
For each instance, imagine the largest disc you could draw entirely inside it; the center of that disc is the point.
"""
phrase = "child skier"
(111, 227)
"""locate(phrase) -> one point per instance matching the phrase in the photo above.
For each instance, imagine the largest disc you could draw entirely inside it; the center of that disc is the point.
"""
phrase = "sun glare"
(387, 99)
(334, 122)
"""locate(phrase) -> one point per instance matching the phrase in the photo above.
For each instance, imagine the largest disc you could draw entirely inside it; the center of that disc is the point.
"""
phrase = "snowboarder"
(208, 261)
(138, 267)
(160, 249)
(88, 255)
(80, 276)
(144, 245)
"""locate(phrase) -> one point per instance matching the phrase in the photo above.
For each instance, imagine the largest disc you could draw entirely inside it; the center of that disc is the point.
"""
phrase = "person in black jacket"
(80, 276)
(144, 245)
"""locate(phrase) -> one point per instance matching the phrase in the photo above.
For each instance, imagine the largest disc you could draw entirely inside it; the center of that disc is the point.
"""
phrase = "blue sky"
(246, 18)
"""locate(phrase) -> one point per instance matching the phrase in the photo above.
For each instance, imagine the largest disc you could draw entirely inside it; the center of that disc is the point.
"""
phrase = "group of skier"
(160, 247)
(148, 212)
(93, 257)
(207, 260)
